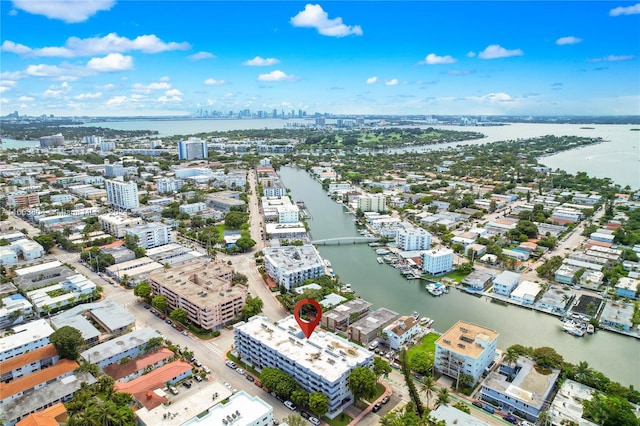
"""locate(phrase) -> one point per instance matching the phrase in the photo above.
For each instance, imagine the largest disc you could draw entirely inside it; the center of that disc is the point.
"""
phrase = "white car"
(206, 369)
(314, 421)
(240, 371)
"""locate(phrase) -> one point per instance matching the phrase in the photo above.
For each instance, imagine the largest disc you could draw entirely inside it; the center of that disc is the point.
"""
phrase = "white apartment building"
(437, 261)
(288, 214)
(465, 348)
(505, 282)
(339, 187)
(116, 223)
(25, 338)
(167, 185)
(566, 214)
(122, 194)
(526, 292)
(321, 363)
(291, 265)
(203, 289)
(192, 149)
(28, 249)
(151, 235)
(241, 409)
(61, 198)
(372, 203)
(127, 345)
(68, 291)
(192, 208)
(8, 256)
(409, 239)
(401, 331)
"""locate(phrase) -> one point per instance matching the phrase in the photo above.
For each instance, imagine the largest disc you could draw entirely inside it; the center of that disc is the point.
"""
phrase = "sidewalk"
(366, 411)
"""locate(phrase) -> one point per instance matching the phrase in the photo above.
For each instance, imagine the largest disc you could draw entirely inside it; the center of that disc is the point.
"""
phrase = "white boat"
(591, 329)
(326, 262)
(574, 328)
(426, 321)
(380, 260)
(416, 315)
(382, 252)
(435, 289)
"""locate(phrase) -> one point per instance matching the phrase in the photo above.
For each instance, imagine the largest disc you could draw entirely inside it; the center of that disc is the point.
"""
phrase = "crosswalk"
(213, 347)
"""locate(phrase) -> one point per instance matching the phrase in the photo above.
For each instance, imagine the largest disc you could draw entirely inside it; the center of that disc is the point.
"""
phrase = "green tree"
(443, 397)
(362, 383)
(139, 252)
(547, 357)
(160, 303)
(179, 315)
(67, 341)
(381, 367)
(420, 361)
(234, 220)
(318, 403)
(46, 241)
(239, 278)
(252, 307)
(142, 290)
(295, 420)
(278, 381)
(245, 243)
(428, 387)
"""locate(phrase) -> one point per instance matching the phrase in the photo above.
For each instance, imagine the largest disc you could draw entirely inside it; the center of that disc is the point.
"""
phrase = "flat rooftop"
(325, 354)
(242, 408)
(52, 392)
(376, 319)
(528, 386)
(567, 405)
(453, 416)
(201, 282)
(526, 288)
(118, 345)
(341, 312)
(477, 278)
(291, 257)
(183, 408)
(617, 313)
(468, 335)
(25, 333)
(109, 314)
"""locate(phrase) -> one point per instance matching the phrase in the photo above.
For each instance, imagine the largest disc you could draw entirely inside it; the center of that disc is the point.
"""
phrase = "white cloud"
(497, 97)
(69, 11)
(495, 51)
(25, 99)
(43, 70)
(4, 89)
(214, 82)
(108, 86)
(372, 80)
(276, 75)
(613, 58)
(229, 95)
(628, 10)
(116, 100)
(111, 63)
(313, 16)
(471, 54)
(165, 99)
(88, 96)
(173, 92)
(568, 40)
(459, 72)
(4, 100)
(261, 62)
(56, 91)
(433, 59)
(392, 82)
(147, 88)
(165, 78)
(201, 55)
(111, 43)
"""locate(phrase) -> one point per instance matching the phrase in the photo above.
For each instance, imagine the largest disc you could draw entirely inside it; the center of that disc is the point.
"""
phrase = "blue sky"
(108, 57)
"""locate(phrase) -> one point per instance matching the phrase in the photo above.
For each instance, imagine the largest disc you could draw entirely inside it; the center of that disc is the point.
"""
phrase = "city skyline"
(476, 58)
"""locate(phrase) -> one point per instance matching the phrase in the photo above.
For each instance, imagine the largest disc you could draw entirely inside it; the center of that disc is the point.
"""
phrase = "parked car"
(206, 369)
(231, 364)
(186, 384)
(305, 414)
(198, 378)
(240, 371)
(511, 419)
(173, 390)
(385, 399)
(168, 322)
(488, 408)
(314, 421)
(377, 407)
(197, 363)
(290, 405)
(249, 377)
(477, 404)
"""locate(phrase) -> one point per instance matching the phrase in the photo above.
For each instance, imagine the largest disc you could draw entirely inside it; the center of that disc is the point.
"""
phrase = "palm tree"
(443, 397)
(510, 357)
(583, 371)
(428, 387)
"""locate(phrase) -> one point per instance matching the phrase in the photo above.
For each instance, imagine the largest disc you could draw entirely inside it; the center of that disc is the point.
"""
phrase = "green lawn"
(428, 343)
(456, 276)
(340, 420)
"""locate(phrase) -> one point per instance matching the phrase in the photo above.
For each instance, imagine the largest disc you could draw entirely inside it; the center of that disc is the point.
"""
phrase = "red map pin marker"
(307, 326)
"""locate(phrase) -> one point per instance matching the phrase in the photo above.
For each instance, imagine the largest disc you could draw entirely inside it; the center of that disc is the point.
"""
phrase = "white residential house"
(436, 262)
(151, 235)
(465, 348)
(410, 238)
(62, 294)
(526, 292)
(291, 265)
(401, 331)
(504, 283)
